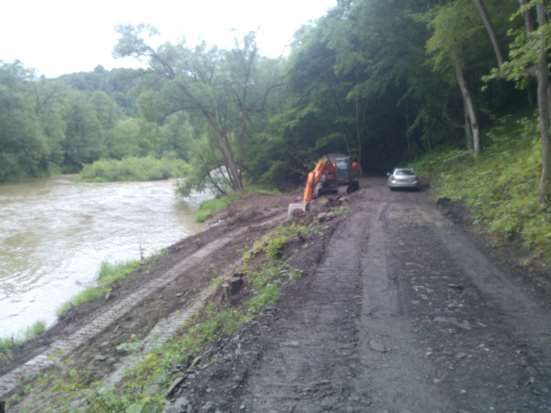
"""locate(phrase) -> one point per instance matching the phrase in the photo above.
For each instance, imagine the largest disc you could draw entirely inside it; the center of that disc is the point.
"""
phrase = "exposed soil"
(406, 312)
(509, 254)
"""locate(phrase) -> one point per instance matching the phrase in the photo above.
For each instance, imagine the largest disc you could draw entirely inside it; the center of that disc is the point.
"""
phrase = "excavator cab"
(343, 167)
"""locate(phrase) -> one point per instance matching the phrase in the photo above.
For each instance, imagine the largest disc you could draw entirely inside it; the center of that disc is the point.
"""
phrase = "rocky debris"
(375, 345)
(465, 325)
(326, 216)
(180, 405)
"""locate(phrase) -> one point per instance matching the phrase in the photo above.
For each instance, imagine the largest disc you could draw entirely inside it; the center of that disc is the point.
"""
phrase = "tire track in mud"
(392, 374)
(62, 348)
(481, 335)
(306, 365)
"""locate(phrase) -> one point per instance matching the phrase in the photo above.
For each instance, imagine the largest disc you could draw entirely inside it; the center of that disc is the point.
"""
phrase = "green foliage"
(500, 187)
(269, 294)
(108, 275)
(7, 345)
(211, 207)
(272, 244)
(133, 169)
(111, 273)
(453, 26)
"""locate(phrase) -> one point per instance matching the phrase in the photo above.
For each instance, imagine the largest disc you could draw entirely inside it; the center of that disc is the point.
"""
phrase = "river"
(55, 232)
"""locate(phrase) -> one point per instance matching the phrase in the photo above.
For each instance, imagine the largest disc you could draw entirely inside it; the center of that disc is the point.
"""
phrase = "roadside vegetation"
(207, 209)
(499, 187)
(8, 344)
(144, 387)
(108, 275)
(133, 169)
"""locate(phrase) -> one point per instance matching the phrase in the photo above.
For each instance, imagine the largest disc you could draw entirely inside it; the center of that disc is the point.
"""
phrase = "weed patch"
(211, 207)
(7, 345)
(107, 276)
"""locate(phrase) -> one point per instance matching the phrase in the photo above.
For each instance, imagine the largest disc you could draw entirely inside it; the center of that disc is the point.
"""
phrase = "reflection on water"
(54, 233)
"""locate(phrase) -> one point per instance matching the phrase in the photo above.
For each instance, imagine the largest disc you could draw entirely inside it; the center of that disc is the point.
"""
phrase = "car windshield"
(408, 172)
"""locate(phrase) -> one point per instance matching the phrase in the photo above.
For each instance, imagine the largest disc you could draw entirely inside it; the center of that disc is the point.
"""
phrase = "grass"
(143, 387)
(211, 207)
(7, 345)
(108, 275)
(500, 188)
(133, 169)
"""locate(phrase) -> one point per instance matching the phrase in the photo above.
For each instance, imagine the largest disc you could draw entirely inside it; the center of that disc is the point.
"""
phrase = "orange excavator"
(333, 173)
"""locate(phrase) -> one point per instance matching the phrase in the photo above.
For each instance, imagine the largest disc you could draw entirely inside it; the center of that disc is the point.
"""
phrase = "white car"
(403, 178)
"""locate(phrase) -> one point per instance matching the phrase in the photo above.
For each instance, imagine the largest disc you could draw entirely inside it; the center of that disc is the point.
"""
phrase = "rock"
(465, 325)
(325, 216)
(179, 405)
(291, 343)
(456, 287)
(195, 362)
(174, 386)
(375, 345)
(207, 407)
(100, 357)
(122, 348)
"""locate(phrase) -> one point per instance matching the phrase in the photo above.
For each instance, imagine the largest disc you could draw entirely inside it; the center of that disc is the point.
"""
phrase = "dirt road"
(404, 314)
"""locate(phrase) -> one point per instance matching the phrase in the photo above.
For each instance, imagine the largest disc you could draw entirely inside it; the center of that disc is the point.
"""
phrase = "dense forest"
(383, 80)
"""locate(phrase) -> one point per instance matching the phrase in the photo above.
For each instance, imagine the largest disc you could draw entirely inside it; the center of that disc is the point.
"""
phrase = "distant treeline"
(53, 125)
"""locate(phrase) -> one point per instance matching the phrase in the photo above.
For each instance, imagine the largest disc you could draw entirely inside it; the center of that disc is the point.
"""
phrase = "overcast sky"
(64, 36)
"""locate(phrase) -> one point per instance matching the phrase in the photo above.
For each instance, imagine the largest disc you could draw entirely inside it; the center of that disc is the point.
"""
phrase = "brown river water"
(55, 232)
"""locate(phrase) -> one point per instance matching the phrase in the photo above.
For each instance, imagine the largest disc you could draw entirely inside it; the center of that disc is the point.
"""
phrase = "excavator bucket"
(297, 209)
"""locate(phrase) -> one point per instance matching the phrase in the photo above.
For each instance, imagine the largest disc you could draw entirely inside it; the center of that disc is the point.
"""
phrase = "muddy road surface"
(405, 313)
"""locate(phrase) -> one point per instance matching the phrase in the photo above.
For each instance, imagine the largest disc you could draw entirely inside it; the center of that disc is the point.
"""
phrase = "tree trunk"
(358, 134)
(528, 19)
(490, 29)
(469, 106)
(468, 129)
(543, 106)
(229, 162)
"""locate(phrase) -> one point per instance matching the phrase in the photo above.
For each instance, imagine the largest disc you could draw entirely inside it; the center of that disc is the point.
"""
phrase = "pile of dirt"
(454, 210)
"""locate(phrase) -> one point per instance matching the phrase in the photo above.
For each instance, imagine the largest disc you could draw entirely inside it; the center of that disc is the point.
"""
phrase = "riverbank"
(242, 223)
(133, 169)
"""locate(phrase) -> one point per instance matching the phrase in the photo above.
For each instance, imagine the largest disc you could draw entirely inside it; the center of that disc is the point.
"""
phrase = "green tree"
(84, 142)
